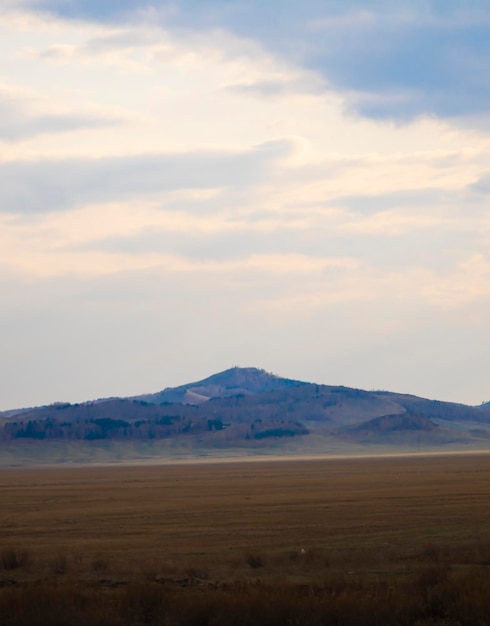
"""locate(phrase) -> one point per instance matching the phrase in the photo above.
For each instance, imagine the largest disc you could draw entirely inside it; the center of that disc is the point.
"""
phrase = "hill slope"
(231, 382)
(249, 409)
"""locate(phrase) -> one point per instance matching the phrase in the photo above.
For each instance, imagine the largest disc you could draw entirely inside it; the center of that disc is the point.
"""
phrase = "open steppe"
(393, 540)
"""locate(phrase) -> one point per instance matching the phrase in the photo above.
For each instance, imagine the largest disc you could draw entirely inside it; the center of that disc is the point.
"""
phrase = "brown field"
(401, 540)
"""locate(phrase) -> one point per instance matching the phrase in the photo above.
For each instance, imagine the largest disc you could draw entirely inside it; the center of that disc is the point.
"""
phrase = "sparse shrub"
(13, 558)
(308, 558)
(482, 550)
(198, 572)
(100, 565)
(432, 553)
(255, 561)
(77, 559)
(294, 555)
(59, 564)
(143, 603)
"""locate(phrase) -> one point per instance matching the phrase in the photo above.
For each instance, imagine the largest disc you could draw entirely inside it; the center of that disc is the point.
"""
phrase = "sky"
(192, 185)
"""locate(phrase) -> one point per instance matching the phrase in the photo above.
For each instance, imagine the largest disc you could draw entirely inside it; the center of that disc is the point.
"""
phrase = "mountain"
(405, 429)
(231, 382)
(248, 409)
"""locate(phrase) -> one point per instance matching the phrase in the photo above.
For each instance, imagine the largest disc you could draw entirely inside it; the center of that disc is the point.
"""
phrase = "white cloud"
(26, 114)
(51, 185)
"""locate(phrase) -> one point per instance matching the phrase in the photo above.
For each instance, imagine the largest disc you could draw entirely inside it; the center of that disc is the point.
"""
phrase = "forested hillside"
(264, 407)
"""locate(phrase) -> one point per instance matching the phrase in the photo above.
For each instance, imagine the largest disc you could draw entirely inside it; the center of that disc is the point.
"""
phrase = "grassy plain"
(393, 540)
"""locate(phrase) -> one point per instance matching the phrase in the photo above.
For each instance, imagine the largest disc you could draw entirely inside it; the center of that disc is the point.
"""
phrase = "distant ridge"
(12, 412)
(242, 410)
(235, 381)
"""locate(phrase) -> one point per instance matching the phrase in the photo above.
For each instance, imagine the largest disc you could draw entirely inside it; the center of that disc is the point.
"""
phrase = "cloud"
(132, 329)
(425, 228)
(425, 198)
(275, 88)
(19, 118)
(112, 42)
(481, 186)
(58, 184)
(396, 61)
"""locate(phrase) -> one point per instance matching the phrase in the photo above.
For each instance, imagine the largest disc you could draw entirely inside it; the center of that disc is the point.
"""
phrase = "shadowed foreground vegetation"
(463, 600)
(434, 593)
(349, 542)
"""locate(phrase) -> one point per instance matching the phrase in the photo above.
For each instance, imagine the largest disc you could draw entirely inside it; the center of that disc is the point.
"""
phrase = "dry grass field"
(402, 540)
